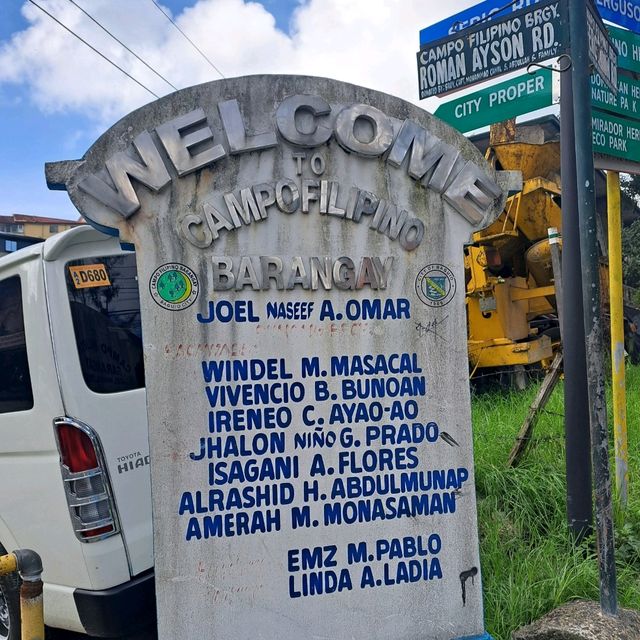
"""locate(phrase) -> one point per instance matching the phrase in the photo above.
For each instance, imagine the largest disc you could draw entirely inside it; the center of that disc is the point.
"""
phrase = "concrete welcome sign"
(299, 248)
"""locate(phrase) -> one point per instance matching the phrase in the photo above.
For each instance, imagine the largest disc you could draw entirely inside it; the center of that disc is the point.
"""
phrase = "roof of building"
(18, 218)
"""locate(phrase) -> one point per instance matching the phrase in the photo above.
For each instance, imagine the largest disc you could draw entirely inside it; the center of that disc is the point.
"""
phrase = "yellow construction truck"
(510, 293)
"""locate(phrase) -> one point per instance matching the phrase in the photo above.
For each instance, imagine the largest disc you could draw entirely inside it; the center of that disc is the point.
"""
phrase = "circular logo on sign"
(174, 286)
(435, 285)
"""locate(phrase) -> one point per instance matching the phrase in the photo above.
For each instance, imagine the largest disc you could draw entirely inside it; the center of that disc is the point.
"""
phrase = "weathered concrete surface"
(582, 621)
(217, 580)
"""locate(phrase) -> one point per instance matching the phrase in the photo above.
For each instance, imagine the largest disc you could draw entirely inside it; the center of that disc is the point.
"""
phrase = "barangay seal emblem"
(174, 286)
(435, 285)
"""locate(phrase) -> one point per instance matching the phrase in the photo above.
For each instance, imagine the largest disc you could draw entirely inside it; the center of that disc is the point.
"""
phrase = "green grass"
(530, 564)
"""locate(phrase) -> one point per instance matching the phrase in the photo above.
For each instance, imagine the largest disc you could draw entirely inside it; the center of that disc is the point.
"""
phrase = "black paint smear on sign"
(464, 576)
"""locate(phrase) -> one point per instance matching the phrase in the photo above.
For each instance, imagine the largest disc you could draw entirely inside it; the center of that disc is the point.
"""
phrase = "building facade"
(18, 231)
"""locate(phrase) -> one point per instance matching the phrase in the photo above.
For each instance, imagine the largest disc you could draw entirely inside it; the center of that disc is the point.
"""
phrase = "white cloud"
(367, 42)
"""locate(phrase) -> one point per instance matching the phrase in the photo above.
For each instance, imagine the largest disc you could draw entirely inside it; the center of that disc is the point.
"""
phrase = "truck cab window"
(105, 308)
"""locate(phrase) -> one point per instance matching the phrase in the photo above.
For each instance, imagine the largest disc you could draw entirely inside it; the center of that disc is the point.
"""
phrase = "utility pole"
(576, 412)
(591, 303)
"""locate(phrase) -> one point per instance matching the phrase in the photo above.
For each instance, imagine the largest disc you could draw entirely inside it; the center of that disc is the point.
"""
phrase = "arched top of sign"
(233, 137)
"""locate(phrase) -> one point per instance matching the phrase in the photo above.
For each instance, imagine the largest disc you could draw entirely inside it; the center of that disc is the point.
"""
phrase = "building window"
(10, 245)
(53, 228)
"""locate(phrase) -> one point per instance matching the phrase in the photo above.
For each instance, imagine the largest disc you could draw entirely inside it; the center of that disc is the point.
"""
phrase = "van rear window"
(105, 307)
(15, 380)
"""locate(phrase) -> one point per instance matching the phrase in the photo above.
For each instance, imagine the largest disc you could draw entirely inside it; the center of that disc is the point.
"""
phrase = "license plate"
(89, 275)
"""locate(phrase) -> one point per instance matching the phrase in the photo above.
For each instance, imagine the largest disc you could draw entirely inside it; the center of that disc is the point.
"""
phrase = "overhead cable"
(133, 53)
(193, 44)
(73, 33)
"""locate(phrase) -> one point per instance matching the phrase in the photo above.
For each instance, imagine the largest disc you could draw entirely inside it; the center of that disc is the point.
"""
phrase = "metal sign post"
(576, 413)
(591, 303)
(503, 43)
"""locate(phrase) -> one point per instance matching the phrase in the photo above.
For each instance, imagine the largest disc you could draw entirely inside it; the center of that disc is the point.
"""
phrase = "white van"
(74, 451)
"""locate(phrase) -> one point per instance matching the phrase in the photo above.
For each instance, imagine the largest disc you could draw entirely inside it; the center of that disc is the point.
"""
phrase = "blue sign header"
(482, 11)
(625, 13)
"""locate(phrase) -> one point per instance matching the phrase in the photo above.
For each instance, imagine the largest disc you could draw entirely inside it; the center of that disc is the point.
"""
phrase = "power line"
(86, 13)
(73, 33)
(193, 44)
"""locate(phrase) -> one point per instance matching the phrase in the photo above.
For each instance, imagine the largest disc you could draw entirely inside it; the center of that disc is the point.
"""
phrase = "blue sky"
(30, 136)
(57, 96)
(25, 134)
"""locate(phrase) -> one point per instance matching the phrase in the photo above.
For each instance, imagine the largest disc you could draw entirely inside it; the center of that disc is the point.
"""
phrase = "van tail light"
(86, 482)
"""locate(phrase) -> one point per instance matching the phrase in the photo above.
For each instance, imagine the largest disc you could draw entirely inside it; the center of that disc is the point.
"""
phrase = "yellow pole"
(29, 565)
(617, 336)
(8, 564)
(31, 610)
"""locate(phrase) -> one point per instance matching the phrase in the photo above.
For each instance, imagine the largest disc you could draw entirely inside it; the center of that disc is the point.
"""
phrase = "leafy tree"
(631, 255)
(630, 187)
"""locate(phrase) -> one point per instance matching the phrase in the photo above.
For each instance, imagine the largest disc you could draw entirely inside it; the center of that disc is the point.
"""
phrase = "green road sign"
(628, 45)
(626, 103)
(615, 136)
(499, 102)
